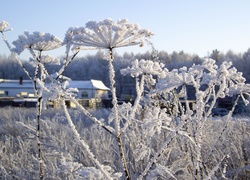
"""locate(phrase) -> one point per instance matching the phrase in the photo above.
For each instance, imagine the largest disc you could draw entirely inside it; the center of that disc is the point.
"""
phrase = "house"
(16, 88)
(23, 90)
(90, 89)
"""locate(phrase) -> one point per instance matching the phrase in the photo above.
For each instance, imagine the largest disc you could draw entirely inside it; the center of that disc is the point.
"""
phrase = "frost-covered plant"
(18, 148)
(105, 34)
(36, 41)
(146, 68)
(161, 135)
(108, 34)
(207, 82)
(144, 71)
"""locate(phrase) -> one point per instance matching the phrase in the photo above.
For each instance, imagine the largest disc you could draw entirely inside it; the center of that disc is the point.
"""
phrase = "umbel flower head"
(107, 34)
(36, 41)
(145, 67)
(3, 26)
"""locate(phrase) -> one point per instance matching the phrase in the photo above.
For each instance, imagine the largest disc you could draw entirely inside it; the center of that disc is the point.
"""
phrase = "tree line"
(96, 67)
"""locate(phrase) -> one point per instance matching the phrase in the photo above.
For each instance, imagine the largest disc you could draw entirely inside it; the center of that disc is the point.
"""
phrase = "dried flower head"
(145, 67)
(36, 41)
(107, 34)
(3, 26)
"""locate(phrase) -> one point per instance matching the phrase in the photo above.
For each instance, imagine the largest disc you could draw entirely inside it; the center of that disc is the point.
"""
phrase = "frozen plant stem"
(87, 113)
(82, 143)
(68, 61)
(113, 90)
(40, 158)
(115, 109)
(39, 112)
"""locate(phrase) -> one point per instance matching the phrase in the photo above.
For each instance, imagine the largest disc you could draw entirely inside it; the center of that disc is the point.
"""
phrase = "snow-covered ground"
(64, 159)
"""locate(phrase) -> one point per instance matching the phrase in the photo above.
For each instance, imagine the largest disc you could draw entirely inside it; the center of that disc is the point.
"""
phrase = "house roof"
(87, 84)
(7, 83)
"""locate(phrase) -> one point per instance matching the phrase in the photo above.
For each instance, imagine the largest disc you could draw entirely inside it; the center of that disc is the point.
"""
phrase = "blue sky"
(194, 26)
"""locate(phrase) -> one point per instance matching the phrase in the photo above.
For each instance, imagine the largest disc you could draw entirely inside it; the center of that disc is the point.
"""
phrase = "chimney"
(21, 80)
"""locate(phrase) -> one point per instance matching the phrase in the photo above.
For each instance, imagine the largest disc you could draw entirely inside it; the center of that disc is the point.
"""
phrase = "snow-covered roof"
(90, 84)
(7, 83)
(87, 84)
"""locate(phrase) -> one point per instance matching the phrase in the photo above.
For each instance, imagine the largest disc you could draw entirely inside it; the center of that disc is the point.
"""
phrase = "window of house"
(24, 93)
(84, 94)
(3, 93)
(31, 95)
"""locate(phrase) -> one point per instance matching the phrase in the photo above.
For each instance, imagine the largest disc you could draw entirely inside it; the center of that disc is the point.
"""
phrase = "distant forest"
(96, 67)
